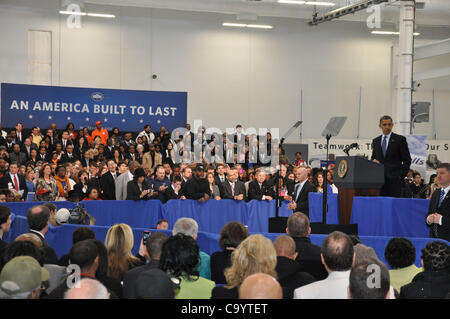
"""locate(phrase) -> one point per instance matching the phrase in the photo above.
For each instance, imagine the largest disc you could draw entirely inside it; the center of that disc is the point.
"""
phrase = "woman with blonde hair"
(119, 242)
(255, 254)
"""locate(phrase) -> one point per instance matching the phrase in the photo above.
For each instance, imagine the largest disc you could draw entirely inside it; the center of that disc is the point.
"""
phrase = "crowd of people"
(171, 265)
(81, 164)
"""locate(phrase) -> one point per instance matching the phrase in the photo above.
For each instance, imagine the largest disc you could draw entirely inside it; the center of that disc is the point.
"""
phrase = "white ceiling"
(435, 13)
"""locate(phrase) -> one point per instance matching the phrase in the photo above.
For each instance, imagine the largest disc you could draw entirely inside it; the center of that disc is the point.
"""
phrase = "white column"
(405, 66)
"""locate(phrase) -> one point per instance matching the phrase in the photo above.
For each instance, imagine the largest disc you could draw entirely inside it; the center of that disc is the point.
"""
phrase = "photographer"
(138, 188)
(83, 183)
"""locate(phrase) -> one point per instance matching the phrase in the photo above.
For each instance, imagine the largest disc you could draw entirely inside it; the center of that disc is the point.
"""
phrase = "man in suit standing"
(259, 189)
(14, 180)
(233, 188)
(300, 196)
(438, 217)
(108, 181)
(27, 147)
(39, 223)
(151, 159)
(65, 140)
(69, 156)
(392, 151)
(17, 155)
(123, 179)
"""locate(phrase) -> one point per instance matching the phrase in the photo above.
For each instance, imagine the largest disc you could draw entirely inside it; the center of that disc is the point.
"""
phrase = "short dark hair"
(177, 178)
(22, 248)
(298, 225)
(180, 256)
(415, 174)
(82, 233)
(232, 234)
(436, 256)
(50, 206)
(83, 254)
(5, 212)
(360, 278)
(385, 117)
(162, 221)
(155, 243)
(337, 251)
(38, 221)
(400, 253)
(445, 165)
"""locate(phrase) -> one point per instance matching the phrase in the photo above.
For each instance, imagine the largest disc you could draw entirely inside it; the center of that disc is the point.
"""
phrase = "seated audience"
(179, 258)
(288, 269)
(259, 188)
(189, 227)
(22, 278)
(338, 257)
(434, 281)
(360, 276)
(153, 246)
(260, 286)
(400, 254)
(88, 289)
(175, 190)
(231, 235)
(255, 254)
(308, 254)
(119, 242)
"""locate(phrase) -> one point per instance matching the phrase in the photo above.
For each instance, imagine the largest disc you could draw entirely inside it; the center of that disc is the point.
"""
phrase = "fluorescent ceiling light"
(244, 25)
(259, 26)
(99, 15)
(237, 25)
(391, 32)
(76, 13)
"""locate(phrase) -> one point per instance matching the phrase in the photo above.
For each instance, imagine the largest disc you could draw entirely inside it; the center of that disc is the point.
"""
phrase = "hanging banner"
(128, 110)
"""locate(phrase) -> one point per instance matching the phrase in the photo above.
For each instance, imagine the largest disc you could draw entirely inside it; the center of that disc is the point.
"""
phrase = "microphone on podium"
(349, 147)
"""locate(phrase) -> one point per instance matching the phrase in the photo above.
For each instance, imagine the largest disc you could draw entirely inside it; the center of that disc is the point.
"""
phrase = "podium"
(356, 176)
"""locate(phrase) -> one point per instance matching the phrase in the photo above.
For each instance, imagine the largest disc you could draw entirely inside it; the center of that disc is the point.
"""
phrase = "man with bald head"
(338, 257)
(300, 202)
(289, 271)
(260, 286)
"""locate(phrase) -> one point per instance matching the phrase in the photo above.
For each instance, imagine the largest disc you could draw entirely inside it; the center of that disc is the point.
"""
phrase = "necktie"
(435, 226)
(384, 145)
(16, 183)
(298, 191)
(441, 197)
(232, 189)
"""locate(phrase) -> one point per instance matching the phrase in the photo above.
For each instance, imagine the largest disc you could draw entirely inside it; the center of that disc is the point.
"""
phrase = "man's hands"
(292, 205)
(434, 218)
(239, 197)
(204, 198)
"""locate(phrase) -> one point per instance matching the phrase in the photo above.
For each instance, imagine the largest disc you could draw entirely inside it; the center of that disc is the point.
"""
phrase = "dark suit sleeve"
(132, 191)
(373, 151)
(253, 192)
(23, 185)
(405, 156)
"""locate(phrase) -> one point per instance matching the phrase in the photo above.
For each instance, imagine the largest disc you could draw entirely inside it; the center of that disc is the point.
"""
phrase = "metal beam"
(352, 8)
(432, 49)
(432, 74)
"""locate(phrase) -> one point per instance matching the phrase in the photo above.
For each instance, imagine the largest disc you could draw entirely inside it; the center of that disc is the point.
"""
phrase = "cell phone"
(145, 235)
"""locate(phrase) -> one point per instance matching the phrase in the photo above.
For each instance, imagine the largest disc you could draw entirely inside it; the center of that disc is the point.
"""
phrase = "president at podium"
(392, 151)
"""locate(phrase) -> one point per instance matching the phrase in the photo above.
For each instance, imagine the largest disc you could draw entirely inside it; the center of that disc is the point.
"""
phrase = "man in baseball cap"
(22, 278)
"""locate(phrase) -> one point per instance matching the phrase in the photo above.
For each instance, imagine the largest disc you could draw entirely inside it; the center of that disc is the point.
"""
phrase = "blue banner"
(128, 110)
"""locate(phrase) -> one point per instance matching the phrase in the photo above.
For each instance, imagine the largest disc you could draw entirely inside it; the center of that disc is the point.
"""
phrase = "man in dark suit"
(438, 217)
(5, 225)
(109, 149)
(65, 140)
(220, 177)
(39, 223)
(154, 247)
(20, 134)
(308, 257)
(197, 187)
(392, 151)
(69, 156)
(233, 188)
(17, 155)
(14, 180)
(107, 181)
(259, 188)
(300, 196)
(43, 156)
(175, 190)
(27, 147)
